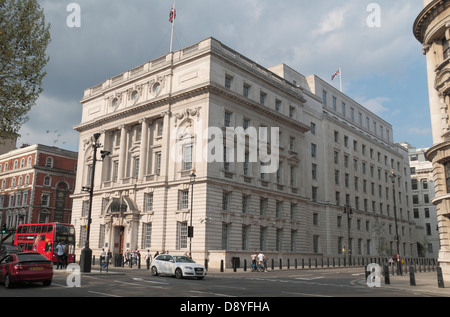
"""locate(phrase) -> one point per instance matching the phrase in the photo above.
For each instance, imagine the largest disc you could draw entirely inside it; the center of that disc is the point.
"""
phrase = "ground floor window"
(182, 230)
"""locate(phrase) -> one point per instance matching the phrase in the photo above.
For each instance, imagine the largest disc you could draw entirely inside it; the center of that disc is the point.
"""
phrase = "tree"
(24, 37)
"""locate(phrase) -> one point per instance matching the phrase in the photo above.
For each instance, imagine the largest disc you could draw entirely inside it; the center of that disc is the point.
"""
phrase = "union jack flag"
(335, 74)
(172, 15)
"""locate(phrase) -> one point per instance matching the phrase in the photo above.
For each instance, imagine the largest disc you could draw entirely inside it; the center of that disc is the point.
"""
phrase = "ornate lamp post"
(86, 252)
(397, 237)
(348, 211)
(191, 228)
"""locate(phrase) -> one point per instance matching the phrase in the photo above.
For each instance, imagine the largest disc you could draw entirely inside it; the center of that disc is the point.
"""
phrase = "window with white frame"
(187, 157)
(183, 199)
(182, 230)
(148, 202)
(146, 235)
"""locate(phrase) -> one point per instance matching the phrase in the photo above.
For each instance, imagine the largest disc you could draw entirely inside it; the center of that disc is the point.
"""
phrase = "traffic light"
(4, 228)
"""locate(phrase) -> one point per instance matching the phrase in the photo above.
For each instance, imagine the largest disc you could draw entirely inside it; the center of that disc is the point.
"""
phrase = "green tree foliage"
(24, 37)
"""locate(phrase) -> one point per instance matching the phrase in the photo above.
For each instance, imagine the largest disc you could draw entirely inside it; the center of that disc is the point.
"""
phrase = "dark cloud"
(313, 37)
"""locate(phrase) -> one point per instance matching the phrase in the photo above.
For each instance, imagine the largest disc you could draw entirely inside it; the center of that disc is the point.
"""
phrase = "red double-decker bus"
(44, 237)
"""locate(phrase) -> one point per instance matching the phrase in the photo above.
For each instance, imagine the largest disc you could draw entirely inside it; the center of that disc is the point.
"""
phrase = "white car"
(178, 265)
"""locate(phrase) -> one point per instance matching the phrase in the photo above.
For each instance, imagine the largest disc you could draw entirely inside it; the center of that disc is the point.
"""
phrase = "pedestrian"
(148, 259)
(134, 256)
(156, 254)
(253, 257)
(127, 257)
(262, 260)
(60, 255)
(102, 257)
(66, 254)
(109, 256)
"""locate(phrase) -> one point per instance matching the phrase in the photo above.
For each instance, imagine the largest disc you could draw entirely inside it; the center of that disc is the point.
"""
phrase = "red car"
(25, 267)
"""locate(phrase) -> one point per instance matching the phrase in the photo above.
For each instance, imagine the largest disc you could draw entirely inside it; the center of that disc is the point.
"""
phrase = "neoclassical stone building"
(186, 112)
(432, 29)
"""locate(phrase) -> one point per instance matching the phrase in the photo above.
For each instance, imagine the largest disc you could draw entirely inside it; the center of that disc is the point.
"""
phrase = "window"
(245, 201)
(182, 235)
(277, 105)
(262, 206)
(226, 200)
(313, 150)
(49, 162)
(158, 163)
(136, 167)
(291, 112)
(246, 90)
(183, 199)
(148, 202)
(225, 233)
(45, 200)
(227, 119)
(147, 235)
(324, 97)
(262, 98)
(228, 81)
(187, 157)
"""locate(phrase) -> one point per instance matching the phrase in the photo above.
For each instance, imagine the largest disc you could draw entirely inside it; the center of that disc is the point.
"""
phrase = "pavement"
(424, 282)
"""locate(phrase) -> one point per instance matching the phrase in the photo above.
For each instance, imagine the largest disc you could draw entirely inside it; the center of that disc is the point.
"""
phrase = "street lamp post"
(86, 252)
(397, 237)
(348, 211)
(191, 228)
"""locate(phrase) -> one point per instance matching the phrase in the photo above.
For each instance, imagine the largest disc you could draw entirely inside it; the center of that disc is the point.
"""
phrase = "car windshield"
(29, 257)
(183, 259)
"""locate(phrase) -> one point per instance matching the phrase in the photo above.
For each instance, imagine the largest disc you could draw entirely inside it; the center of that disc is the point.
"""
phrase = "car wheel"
(154, 271)
(178, 273)
(8, 282)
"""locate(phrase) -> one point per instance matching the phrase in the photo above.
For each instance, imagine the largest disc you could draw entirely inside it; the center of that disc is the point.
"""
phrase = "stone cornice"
(426, 17)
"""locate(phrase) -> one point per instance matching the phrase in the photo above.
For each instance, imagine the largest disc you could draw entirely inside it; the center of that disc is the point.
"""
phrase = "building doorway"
(119, 232)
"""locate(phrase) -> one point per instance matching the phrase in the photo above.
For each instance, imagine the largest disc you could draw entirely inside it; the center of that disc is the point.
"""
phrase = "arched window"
(47, 181)
(49, 162)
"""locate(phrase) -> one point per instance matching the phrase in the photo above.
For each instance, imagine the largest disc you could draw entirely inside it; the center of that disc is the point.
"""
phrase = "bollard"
(412, 278)
(367, 273)
(245, 265)
(281, 265)
(234, 264)
(387, 279)
(440, 278)
(221, 265)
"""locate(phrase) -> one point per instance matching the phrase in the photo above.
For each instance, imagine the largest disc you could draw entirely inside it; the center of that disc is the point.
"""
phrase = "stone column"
(122, 153)
(143, 149)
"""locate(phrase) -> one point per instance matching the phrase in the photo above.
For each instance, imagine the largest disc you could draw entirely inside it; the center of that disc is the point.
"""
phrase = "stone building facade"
(276, 156)
(432, 30)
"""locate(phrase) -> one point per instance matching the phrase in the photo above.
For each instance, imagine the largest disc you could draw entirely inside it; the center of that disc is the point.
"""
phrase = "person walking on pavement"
(60, 254)
(148, 259)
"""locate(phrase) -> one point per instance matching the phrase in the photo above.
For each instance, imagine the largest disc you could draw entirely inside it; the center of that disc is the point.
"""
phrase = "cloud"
(376, 105)
(333, 21)
(312, 37)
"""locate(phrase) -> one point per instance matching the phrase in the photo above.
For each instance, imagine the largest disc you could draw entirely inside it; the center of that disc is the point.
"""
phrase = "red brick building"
(35, 185)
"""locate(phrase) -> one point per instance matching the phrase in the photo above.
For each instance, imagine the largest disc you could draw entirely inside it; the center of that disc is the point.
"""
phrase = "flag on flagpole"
(173, 14)
(338, 72)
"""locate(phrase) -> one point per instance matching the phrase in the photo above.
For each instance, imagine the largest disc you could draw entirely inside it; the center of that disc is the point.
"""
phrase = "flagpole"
(340, 78)
(173, 26)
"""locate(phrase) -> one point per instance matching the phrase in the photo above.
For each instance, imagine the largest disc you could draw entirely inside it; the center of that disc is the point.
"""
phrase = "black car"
(8, 249)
